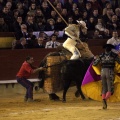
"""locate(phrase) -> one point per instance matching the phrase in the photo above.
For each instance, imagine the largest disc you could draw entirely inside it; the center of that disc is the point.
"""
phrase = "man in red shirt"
(24, 73)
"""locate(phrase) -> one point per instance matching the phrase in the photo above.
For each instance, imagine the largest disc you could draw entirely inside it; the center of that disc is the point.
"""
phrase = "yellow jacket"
(71, 30)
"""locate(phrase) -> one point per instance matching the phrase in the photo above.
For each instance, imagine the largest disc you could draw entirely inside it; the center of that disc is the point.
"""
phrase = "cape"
(92, 85)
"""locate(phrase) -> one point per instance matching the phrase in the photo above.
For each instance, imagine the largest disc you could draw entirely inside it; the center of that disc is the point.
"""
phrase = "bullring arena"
(12, 106)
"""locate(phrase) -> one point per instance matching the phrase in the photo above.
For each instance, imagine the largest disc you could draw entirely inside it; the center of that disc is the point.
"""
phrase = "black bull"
(71, 70)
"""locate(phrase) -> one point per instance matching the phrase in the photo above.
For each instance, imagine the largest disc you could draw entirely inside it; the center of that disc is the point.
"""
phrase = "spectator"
(40, 25)
(14, 43)
(100, 25)
(32, 7)
(40, 44)
(15, 14)
(22, 33)
(55, 2)
(7, 17)
(17, 24)
(39, 16)
(31, 39)
(22, 10)
(74, 7)
(3, 25)
(107, 17)
(117, 12)
(64, 13)
(22, 44)
(81, 5)
(53, 15)
(107, 6)
(115, 3)
(53, 43)
(2, 3)
(95, 5)
(85, 16)
(97, 35)
(68, 6)
(115, 40)
(45, 10)
(95, 15)
(59, 7)
(76, 15)
(113, 24)
(30, 23)
(103, 3)
(70, 20)
(106, 34)
(58, 34)
(91, 24)
(88, 8)
(60, 25)
(25, 4)
(50, 26)
(9, 6)
(37, 2)
(44, 35)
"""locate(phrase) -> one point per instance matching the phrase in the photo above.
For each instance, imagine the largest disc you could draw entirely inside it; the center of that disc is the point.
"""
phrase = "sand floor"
(12, 107)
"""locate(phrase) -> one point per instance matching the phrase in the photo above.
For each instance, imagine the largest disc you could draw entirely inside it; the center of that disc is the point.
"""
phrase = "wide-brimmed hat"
(82, 23)
(109, 46)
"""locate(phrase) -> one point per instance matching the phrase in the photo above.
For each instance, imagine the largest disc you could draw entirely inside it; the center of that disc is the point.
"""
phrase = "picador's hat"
(109, 46)
(82, 23)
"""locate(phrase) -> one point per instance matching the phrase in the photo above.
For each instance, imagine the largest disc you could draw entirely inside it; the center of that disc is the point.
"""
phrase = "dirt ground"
(12, 107)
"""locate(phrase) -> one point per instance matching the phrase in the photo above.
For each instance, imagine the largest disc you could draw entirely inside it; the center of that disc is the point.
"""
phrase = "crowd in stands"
(23, 17)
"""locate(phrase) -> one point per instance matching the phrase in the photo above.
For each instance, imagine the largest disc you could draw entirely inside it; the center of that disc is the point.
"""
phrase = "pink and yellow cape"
(92, 86)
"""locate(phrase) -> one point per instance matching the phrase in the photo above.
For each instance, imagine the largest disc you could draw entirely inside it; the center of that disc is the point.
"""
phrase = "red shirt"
(25, 70)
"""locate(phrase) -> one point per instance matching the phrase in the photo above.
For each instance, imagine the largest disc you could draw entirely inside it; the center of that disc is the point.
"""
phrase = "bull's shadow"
(69, 71)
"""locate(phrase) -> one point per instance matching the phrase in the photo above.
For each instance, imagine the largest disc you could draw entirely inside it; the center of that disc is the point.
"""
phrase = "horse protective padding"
(53, 82)
(86, 53)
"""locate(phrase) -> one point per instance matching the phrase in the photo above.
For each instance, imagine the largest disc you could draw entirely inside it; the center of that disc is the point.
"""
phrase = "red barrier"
(11, 60)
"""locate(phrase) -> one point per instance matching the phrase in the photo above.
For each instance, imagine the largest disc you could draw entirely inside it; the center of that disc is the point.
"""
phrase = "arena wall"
(11, 60)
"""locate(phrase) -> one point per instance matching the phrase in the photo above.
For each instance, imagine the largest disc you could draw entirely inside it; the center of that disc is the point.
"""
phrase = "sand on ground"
(12, 107)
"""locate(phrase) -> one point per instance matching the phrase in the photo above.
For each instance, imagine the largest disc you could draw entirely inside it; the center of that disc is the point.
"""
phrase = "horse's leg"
(53, 96)
(66, 86)
(77, 94)
(78, 85)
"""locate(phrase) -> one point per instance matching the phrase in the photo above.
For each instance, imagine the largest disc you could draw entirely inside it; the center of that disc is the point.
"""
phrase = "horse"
(71, 71)
(61, 72)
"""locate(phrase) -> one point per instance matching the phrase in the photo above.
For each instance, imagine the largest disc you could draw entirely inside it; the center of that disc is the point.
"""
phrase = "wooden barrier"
(97, 42)
(6, 39)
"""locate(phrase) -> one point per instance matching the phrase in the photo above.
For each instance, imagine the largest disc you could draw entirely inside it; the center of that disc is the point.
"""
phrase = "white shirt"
(114, 42)
(49, 44)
